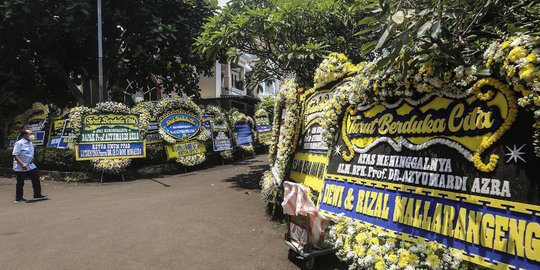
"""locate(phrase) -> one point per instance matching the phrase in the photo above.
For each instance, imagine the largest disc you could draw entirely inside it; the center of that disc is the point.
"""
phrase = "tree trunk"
(71, 86)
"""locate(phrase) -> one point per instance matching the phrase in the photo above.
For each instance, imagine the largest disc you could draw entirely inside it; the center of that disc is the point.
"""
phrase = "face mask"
(32, 137)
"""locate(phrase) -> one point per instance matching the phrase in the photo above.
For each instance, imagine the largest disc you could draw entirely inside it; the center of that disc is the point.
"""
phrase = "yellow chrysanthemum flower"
(527, 73)
(532, 57)
(433, 260)
(360, 238)
(379, 265)
(359, 251)
(505, 44)
(402, 262)
(489, 62)
(517, 53)
(412, 258)
(347, 243)
(510, 71)
(375, 87)
(536, 100)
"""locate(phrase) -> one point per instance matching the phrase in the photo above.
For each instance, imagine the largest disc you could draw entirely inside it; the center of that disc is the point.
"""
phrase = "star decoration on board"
(337, 150)
(515, 153)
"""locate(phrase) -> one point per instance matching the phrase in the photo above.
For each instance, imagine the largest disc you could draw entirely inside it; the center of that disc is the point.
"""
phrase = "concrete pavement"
(208, 219)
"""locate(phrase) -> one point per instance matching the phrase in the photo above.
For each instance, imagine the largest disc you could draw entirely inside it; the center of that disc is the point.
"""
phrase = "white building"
(227, 87)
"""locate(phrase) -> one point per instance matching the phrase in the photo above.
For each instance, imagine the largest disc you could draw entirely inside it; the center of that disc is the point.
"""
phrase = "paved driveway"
(208, 219)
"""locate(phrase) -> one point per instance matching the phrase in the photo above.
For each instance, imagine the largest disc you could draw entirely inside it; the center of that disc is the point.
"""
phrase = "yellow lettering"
(385, 210)
(449, 213)
(457, 112)
(501, 227)
(359, 203)
(399, 205)
(426, 219)
(473, 227)
(338, 199)
(486, 234)
(417, 221)
(532, 242)
(461, 223)
(378, 207)
(516, 236)
(437, 219)
(409, 212)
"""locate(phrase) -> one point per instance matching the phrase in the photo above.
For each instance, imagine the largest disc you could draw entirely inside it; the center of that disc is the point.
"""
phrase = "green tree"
(446, 32)
(267, 103)
(290, 37)
(49, 48)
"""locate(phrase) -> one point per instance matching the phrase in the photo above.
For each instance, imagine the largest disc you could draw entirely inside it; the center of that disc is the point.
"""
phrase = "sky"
(222, 2)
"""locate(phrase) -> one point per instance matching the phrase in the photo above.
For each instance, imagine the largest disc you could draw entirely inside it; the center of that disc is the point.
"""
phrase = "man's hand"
(31, 161)
(24, 166)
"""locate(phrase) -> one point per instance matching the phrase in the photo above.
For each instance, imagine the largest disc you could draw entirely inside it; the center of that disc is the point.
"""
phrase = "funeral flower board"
(310, 157)
(456, 170)
(244, 137)
(221, 137)
(61, 134)
(263, 126)
(184, 127)
(105, 136)
(34, 119)
(152, 135)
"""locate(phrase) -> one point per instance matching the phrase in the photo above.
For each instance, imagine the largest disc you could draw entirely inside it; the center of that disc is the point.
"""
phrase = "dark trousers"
(34, 177)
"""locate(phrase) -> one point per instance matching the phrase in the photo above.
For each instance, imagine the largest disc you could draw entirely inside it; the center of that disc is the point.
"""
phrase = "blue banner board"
(206, 120)
(479, 229)
(110, 150)
(221, 137)
(181, 126)
(243, 134)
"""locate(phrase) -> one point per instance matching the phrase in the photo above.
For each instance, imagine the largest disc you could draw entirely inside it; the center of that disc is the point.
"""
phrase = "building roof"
(244, 98)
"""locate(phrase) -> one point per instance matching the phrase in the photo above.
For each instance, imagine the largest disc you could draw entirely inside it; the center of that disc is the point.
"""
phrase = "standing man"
(23, 165)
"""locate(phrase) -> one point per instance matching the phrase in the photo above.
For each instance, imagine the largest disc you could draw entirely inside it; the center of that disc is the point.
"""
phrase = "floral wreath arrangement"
(45, 109)
(366, 246)
(334, 67)
(262, 113)
(280, 150)
(425, 79)
(517, 61)
(154, 151)
(115, 165)
(220, 119)
(36, 106)
(187, 105)
(147, 106)
(238, 117)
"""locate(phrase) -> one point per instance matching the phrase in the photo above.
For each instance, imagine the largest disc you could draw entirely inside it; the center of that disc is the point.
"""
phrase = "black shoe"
(22, 200)
(40, 197)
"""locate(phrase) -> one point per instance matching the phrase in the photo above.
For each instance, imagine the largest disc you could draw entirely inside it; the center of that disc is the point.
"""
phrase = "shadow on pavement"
(159, 182)
(325, 262)
(248, 180)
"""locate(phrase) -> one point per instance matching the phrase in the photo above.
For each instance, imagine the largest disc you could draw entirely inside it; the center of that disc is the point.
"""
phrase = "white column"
(218, 79)
(229, 77)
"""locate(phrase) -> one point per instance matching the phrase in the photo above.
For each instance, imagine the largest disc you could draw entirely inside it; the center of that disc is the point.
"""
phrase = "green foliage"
(6, 159)
(288, 37)
(155, 154)
(59, 160)
(267, 103)
(49, 47)
(450, 32)
(291, 37)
